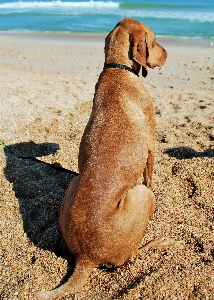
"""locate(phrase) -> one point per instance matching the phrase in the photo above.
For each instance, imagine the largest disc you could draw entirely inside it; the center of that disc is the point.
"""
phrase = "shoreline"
(99, 37)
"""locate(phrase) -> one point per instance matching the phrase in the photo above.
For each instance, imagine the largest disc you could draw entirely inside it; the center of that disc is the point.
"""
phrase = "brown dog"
(106, 208)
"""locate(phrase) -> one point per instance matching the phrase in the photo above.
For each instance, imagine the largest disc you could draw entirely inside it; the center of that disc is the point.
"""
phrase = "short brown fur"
(106, 208)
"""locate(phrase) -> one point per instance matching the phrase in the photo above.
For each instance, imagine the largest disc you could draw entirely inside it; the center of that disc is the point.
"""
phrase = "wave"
(166, 6)
(114, 9)
(186, 17)
(138, 5)
(111, 4)
(199, 17)
(58, 4)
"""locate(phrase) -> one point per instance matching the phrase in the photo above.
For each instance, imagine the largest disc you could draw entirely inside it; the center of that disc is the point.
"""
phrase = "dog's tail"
(82, 271)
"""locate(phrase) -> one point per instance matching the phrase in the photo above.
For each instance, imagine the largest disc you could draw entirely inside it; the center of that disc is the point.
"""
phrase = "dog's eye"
(154, 42)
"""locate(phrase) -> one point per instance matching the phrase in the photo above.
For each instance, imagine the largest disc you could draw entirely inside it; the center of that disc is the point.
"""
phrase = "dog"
(107, 207)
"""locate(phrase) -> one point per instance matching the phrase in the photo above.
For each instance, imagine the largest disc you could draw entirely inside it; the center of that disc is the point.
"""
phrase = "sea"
(168, 18)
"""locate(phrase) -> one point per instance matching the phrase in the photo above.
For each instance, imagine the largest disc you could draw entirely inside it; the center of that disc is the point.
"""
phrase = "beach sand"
(47, 87)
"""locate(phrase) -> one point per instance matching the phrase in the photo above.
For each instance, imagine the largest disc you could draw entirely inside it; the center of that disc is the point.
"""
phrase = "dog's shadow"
(188, 153)
(39, 190)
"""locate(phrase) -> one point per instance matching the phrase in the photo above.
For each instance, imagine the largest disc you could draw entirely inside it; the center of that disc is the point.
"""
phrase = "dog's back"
(112, 158)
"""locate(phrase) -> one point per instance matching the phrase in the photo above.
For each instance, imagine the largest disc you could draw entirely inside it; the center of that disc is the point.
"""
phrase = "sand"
(47, 86)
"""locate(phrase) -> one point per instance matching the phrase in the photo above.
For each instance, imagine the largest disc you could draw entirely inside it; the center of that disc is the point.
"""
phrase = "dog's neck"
(121, 63)
(122, 56)
(120, 66)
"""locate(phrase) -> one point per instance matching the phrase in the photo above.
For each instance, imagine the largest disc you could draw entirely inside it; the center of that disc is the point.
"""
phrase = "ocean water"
(185, 18)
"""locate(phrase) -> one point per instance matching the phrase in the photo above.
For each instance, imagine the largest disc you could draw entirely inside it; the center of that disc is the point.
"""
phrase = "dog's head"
(143, 48)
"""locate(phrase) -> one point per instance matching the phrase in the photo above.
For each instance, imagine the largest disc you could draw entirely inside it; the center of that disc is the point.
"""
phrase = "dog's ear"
(139, 50)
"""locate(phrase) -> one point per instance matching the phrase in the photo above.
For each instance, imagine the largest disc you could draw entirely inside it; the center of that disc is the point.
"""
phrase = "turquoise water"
(167, 18)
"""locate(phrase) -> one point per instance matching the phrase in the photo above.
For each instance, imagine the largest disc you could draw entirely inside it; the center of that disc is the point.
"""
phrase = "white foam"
(58, 4)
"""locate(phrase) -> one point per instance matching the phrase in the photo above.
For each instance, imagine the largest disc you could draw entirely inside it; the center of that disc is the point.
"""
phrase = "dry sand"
(47, 86)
